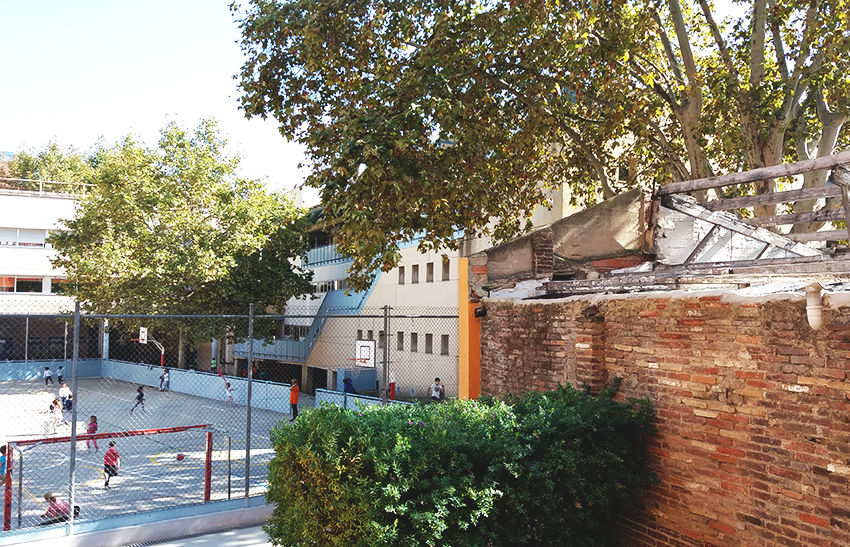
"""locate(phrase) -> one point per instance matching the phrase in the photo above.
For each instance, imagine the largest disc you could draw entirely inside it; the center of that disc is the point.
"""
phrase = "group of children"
(48, 374)
(59, 510)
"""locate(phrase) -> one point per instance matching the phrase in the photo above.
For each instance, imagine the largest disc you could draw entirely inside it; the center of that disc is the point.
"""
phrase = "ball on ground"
(180, 457)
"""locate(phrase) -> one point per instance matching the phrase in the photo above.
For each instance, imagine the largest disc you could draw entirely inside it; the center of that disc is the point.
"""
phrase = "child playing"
(228, 393)
(58, 510)
(48, 375)
(91, 430)
(164, 381)
(111, 463)
(64, 394)
(56, 414)
(140, 399)
(293, 398)
(59, 374)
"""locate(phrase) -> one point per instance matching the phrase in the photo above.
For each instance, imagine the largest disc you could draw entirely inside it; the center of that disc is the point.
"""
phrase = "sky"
(83, 70)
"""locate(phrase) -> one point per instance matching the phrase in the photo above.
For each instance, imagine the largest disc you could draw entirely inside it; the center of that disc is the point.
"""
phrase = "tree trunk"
(181, 349)
(832, 125)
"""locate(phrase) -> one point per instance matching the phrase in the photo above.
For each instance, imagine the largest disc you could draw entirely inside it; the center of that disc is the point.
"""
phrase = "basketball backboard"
(365, 353)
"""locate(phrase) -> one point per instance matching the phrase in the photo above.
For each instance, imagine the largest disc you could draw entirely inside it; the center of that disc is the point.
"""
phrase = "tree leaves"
(434, 118)
(176, 230)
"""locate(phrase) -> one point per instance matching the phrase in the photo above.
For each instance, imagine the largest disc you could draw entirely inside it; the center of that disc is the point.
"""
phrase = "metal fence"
(186, 402)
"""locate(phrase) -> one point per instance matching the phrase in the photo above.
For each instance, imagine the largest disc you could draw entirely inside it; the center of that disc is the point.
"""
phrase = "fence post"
(248, 403)
(386, 386)
(75, 356)
(208, 468)
(7, 483)
(20, 484)
(229, 471)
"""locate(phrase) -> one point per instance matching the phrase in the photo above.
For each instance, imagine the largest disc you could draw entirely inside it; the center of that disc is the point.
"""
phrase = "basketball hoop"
(159, 346)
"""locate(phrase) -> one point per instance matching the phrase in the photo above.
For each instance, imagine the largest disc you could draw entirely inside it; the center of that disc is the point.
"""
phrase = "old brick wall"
(753, 412)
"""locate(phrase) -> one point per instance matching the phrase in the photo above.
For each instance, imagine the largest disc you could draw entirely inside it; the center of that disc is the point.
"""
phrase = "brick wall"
(753, 411)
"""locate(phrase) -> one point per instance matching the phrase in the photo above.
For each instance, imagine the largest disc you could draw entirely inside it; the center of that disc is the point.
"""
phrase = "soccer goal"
(158, 468)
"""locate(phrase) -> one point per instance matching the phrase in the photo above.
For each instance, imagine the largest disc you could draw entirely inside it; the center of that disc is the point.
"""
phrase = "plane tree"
(431, 117)
(175, 230)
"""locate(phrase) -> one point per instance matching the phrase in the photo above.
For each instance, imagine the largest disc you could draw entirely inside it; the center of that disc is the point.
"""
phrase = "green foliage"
(429, 117)
(175, 230)
(543, 469)
(71, 168)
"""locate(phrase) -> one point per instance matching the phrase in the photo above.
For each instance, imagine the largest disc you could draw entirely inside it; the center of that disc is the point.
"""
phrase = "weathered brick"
(753, 444)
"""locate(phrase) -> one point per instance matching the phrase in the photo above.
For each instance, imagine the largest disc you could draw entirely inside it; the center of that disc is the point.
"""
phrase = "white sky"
(79, 70)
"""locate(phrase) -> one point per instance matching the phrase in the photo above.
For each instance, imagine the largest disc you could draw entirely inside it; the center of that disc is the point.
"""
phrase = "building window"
(360, 334)
(370, 335)
(8, 237)
(7, 284)
(28, 284)
(429, 343)
(31, 238)
(414, 342)
(21, 237)
(446, 270)
(401, 275)
(429, 272)
(415, 274)
(382, 341)
(444, 344)
(399, 345)
(58, 286)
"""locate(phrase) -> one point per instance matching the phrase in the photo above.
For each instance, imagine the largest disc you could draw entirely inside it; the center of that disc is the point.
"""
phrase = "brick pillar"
(542, 251)
(590, 349)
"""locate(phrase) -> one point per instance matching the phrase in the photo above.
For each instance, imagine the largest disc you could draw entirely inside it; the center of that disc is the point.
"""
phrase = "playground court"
(151, 476)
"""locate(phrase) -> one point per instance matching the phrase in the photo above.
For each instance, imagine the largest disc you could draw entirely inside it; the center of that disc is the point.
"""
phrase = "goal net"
(157, 469)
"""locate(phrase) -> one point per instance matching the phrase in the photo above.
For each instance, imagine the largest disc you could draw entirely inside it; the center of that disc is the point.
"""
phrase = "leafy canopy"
(429, 117)
(175, 230)
(549, 469)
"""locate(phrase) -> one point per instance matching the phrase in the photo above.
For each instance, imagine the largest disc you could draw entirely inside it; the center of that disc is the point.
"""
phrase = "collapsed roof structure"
(693, 234)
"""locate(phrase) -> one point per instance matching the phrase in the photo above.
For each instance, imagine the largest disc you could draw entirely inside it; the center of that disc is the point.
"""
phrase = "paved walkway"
(242, 537)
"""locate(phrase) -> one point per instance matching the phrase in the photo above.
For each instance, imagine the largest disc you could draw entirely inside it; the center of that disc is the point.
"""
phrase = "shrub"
(541, 469)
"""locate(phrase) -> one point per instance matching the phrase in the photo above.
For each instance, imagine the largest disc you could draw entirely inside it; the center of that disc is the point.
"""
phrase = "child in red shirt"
(111, 462)
(293, 399)
(91, 430)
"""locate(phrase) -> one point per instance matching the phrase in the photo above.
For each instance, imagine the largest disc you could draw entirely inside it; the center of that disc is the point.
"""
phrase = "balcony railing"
(326, 254)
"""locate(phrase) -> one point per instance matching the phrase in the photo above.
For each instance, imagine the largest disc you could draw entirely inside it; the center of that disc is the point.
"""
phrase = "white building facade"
(29, 284)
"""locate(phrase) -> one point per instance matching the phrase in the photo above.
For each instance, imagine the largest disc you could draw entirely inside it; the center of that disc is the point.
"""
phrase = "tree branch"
(721, 43)
(684, 43)
(796, 83)
(598, 166)
(757, 43)
(779, 47)
(678, 171)
(665, 94)
(668, 49)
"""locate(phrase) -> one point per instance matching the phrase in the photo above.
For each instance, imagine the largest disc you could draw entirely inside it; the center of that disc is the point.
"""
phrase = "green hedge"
(541, 469)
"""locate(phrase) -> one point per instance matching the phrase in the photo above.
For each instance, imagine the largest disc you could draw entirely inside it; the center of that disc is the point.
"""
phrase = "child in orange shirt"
(293, 399)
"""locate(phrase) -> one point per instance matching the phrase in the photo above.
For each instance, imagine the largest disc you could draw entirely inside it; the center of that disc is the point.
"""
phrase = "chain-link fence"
(117, 415)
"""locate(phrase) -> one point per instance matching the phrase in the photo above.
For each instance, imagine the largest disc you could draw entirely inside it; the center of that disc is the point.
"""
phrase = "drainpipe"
(814, 305)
